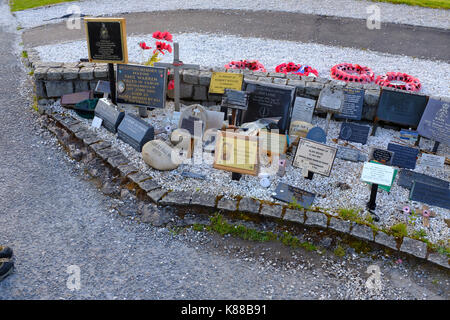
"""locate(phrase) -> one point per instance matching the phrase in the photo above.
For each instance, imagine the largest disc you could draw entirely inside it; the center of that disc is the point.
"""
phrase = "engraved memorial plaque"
(110, 115)
(404, 157)
(303, 109)
(289, 194)
(314, 157)
(330, 100)
(354, 133)
(136, 132)
(435, 122)
(381, 155)
(353, 104)
(430, 194)
(407, 178)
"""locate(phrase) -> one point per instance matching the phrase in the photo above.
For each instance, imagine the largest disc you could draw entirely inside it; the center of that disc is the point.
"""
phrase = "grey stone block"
(371, 97)
(157, 194)
(299, 84)
(107, 153)
(58, 88)
(40, 73)
(362, 231)
(227, 204)
(277, 75)
(118, 160)
(186, 91)
(86, 73)
(235, 71)
(41, 64)
(70, 73)
(176, 198)
(190, 76)
(148, 185)
(204, 78)
(138, 177)
(200, 93)
(321, 80)
(203, 199)
(101, 71)
(91, 138)
(414, 247)
(386, 240)
(280, 81)
(265, 79)
(75, 128)
(54, 74)
(249, 205)
(127, 169)
(215, 97)
(340, 85)
(439, 259)
(260, 74)
(40, 89)
(273, 211)
(99, 146)
(340, 225)
(81, 85)
(293, 77)
(316, 219)
(313, 88)
(250, 77)
(294, 216)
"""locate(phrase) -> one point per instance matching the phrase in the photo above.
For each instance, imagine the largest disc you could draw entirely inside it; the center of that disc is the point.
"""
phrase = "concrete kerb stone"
(227, 204)
(271, 210)
(127, 169)
(203, 199)
(439, 259)
(386, 240)
(178, 198)
(107, 153)
(292, 215)
(340, 225)
(414, 247)
(362, 231)
(316, 219)
(96, 147)
(138, 177)
(249, 205)
(118, 160)
(148, 185)
(156, 194)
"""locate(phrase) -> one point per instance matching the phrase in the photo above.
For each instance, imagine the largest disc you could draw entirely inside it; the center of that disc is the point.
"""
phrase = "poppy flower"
(158, 35)
(171, 85)
(166, 36)
(406, 210)
(144, 46)
(161, 46)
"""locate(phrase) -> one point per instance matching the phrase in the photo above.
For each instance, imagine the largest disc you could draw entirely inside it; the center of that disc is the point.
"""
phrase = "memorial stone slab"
(435, 122)
(290, 194)
(350, 154)
(235, 99)
(354, 132)
(353, 104)
(110, 115)
(330, 100)
(401, 108)
(404, 157)
(381, 155)
(407, 178)
(134, 131)
(303, 109)
(429, 194)
(317, 134)
(74, 98)
(270, 101)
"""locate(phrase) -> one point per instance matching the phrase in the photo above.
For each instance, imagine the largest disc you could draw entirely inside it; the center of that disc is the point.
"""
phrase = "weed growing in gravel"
(399, 230)
(24, 54)
(339, 251)
(349, 214)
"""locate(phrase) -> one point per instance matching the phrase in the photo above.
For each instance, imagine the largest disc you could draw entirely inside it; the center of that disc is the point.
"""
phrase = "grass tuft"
(18, 5)
(436, 4)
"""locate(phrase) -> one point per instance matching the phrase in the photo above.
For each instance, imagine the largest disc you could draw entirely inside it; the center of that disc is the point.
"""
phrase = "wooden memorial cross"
(177, 65)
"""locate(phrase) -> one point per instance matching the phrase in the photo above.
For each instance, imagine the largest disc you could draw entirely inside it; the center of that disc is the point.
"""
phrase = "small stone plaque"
(141, 85)
(136, 132)
(289, 194)
(270, 101)
(401, 108)
(331, 100)
(349, 154)
(74, 98)
(404, 157)
(314, 157)
(303, 109)
(110, 115)
(435, 122)
(430, 194)
(235, 99)
(317, 134)
(353, 104)
(96, 122)
(377, 174)
(431, 160)
(224, 80)
(354, 132)
(381, 155)
(407, 178)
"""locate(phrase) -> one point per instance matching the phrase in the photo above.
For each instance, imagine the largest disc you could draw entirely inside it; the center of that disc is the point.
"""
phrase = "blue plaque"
(407, 178)
(404, 157)
(435, 122)
(317, 134)
(353, 104)
(401, 108)
(430, 194)
(354, 132)
(134, 131)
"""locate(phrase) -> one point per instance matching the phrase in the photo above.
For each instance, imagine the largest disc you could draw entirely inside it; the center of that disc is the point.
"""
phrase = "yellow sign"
(236, 153)
(223, 80)
(106, 40)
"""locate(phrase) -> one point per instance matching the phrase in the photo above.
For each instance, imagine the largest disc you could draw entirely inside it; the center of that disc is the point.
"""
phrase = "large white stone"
(158, 155)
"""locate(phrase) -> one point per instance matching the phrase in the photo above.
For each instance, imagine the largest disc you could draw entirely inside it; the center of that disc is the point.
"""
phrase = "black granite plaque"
(134, 131)
(235, 99)
(106, 40)
(407, 178)
(270, 101)
(189, 124)
(110, 115)
(401, 108)
(353, 104)
(354, 132)
(383, 156)
(289, 194)
(404, 157)
(350, 154)
(435, 122)
(429, 194)
(141, 85)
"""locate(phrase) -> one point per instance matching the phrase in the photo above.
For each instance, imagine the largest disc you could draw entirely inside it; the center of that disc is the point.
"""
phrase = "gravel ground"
(343, 8)
(216, 52)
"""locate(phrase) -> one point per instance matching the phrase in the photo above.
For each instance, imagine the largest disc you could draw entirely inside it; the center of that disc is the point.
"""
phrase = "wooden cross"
(177, 65)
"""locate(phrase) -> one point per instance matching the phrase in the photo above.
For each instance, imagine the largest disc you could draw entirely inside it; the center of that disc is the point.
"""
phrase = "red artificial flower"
(158, 35)
(144, 46)
(166, 36)
(171, 85)
(161, 46)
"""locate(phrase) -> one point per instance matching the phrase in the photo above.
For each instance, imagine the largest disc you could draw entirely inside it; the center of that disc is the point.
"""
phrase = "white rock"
(158, 155)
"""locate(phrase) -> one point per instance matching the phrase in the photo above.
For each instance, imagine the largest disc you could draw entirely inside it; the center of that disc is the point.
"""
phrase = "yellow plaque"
(236, 153)
(223, 80)
(106, 40)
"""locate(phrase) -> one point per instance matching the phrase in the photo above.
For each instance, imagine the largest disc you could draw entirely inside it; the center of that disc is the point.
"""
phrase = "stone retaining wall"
(93, 146)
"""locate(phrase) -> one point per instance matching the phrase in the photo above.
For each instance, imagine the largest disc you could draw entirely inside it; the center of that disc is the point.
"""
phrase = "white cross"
(177, 65)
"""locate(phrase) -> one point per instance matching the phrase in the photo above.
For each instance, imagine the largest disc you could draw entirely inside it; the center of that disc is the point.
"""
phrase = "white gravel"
(343, 8)
(215, 51)
(328, 195)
